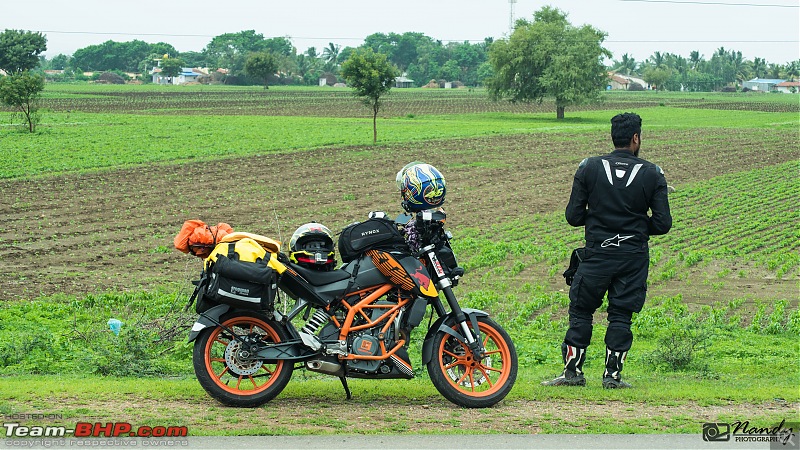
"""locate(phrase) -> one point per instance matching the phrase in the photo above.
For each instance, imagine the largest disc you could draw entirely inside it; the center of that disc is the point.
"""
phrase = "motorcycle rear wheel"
(231, 379)
(474, 383)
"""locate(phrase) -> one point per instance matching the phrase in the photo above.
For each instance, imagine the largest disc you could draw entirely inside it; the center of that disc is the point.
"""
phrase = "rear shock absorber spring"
(320, 317)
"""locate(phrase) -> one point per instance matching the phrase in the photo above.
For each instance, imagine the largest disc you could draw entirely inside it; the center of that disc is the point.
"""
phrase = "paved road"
(409, 442)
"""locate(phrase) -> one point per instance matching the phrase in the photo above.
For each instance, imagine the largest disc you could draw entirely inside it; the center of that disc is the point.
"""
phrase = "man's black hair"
(623, 127)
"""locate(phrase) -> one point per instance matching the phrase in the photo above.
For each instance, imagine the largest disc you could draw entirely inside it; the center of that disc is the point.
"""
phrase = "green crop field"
(92, 200)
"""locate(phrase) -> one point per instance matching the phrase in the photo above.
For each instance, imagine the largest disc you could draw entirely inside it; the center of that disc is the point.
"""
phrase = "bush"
(71, 335)
(635, 87)
(111, 78)
(680, 344)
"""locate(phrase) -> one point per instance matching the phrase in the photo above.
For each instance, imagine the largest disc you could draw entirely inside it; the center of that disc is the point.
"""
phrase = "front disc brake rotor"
(457, 372)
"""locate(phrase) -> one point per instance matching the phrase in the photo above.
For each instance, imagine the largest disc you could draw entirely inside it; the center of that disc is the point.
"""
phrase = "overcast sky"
(636, 27)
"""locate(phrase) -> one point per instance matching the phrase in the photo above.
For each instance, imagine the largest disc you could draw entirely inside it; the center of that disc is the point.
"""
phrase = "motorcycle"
(358, 323)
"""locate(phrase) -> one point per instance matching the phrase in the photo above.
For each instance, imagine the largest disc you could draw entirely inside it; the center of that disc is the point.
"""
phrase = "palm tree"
(774, 71)
(675, 62)
(793, 69)
(331, 54)
(721, 66)
(695, 57)
(759, 67)
(657, 59)
(739, 65)
(627, 66)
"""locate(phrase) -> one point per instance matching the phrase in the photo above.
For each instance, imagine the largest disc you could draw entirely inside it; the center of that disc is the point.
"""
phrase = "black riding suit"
(611, 196)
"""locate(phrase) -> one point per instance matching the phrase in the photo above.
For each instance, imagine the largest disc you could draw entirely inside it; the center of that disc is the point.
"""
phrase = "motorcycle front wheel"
(472, 383)
(223, 368)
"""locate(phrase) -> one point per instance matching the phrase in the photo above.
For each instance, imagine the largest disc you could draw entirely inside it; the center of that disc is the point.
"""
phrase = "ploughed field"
(111, 229)
(339, 102)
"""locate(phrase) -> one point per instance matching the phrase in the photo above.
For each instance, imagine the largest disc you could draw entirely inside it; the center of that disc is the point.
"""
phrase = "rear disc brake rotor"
(237, 363)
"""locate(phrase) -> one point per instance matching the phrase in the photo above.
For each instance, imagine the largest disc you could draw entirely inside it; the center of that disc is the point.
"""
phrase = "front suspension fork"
(468, 326)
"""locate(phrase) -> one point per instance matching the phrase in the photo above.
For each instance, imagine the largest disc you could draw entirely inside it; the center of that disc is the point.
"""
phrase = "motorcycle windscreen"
(404, 271)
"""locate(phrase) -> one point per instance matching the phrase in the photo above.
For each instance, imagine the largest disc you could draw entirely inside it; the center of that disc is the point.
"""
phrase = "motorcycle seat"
(318, 277)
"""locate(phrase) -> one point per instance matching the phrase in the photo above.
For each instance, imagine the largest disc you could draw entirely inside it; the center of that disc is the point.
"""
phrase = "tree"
(191, 59)
(759, 66)
(280, 46)
(59, 62)
(626, 66)
(738, 65)
(774, 70)
(345, 53)
(695, 57)
(261, 65)
(308, 68)
(371, 76)
(171, 67)
(450, 71)
(230, 50)
(331, 55)
(549, 57)
(793, 69)
(124, 56)
(22, 91)
(657, 60)
(20, 50)
(657, 76)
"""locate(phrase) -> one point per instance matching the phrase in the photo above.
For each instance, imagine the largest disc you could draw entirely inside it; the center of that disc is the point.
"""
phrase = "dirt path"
(308, 415)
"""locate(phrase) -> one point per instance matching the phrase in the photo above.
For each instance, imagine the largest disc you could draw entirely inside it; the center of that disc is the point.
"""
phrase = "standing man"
(611, 197)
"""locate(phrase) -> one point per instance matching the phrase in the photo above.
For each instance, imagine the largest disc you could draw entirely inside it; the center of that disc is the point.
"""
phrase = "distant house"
(327, 79)
(157, 78)
(187, 75)
(190, 75)
(403, 82)
(790, 87)
(761, 84)
(618, 81)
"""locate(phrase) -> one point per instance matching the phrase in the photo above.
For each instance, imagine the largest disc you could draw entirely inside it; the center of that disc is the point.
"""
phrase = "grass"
(74, 141)
(743, 365)
(57, 356)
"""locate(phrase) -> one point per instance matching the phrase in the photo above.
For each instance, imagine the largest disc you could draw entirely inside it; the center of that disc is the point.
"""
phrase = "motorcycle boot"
(574, 358)
(611, 376)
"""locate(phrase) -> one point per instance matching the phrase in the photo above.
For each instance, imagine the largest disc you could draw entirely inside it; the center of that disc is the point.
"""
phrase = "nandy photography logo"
(782, 435)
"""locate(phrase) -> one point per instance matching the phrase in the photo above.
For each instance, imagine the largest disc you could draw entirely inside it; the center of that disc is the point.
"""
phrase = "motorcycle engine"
(368, 344)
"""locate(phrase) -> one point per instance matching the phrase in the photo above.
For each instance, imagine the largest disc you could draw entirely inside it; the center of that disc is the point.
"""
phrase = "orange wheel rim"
(476, 378)
(231, 373)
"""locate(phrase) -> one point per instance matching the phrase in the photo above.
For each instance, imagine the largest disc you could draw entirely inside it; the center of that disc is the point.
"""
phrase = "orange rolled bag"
(198, 238)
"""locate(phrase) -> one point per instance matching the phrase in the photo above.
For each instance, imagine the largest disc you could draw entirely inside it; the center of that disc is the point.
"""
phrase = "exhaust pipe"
(326, 367)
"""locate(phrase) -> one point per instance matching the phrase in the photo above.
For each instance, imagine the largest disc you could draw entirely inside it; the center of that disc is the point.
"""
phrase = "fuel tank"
(367, 274)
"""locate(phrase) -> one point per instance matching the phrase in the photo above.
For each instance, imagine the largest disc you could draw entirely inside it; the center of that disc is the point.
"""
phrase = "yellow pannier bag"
(268, 244)
(246, 249)
(238, 274)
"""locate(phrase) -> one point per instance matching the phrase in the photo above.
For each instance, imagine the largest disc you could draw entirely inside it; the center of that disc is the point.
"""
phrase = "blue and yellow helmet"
(421, 186)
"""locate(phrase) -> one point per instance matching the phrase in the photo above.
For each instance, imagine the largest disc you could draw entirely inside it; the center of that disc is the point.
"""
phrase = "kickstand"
(346, 388)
